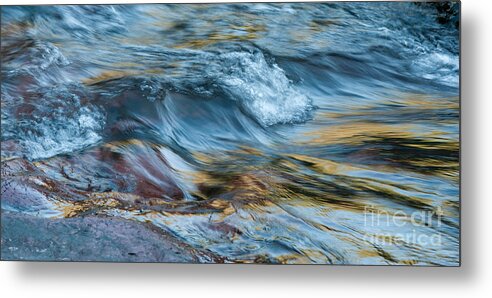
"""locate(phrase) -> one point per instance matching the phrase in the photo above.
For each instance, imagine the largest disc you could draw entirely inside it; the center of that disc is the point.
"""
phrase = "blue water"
(259, 132)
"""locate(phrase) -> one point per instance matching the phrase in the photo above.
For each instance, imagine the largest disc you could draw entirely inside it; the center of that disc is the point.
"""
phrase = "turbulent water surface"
(279, 133)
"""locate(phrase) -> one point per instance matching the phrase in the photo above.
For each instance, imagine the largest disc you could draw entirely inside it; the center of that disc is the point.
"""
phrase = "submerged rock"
(26, 237)
(48, 220)
(448, 12)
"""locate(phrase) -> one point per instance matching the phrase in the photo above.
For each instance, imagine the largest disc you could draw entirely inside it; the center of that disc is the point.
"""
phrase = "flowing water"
(279, 133)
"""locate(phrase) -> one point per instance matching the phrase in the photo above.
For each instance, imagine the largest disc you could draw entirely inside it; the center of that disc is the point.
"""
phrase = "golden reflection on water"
(304, 208)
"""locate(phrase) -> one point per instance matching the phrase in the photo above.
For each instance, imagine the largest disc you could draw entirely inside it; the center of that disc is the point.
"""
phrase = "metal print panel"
(279, 133)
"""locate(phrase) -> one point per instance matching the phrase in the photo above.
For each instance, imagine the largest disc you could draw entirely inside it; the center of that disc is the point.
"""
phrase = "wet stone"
(26, 237)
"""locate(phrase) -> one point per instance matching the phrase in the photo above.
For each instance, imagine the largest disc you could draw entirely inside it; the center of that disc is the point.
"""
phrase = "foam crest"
(262, 89)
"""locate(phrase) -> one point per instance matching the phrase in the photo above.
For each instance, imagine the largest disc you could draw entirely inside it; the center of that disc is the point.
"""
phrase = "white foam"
(439, 66)
(64, 135)
(263, 89)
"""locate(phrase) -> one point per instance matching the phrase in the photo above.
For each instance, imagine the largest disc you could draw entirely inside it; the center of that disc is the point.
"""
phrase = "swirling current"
(245, 133)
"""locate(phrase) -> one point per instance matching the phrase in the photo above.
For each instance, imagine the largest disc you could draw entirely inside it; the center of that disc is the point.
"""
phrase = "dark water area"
(267, 133)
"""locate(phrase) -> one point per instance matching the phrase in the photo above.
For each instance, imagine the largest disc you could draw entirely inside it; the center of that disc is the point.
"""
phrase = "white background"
(473, 279)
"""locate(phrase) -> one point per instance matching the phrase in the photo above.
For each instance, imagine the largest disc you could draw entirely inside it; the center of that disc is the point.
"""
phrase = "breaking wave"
(58, 122)
(263, 89)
